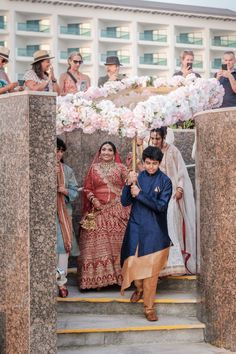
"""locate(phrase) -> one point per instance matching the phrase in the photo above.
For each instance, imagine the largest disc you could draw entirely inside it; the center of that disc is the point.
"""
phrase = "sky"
(226, 4)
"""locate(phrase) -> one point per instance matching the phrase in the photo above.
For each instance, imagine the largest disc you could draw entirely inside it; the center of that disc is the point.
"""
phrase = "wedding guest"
(227, 78)
(187, 59)
(73, 80)
(41, 77)
(146, 242)
(181, 209)
(5, 84)
(100, 244)
(67, 191)
(112, 67)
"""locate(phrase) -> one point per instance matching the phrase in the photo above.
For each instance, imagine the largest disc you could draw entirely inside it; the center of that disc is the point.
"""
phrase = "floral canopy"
(135, 105)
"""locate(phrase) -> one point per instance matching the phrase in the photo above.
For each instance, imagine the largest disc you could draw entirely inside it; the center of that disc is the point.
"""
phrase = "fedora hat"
(41, 55)
(112, 60)
(4, 53)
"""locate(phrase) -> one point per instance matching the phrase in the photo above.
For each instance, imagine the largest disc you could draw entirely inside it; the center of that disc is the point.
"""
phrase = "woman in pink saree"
(99, 260)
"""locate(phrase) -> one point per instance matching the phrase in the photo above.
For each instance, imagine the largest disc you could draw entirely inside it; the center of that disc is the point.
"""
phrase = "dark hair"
(161, 131)
(37, 67)
(110, 143)
(61, 145)
(152, 153)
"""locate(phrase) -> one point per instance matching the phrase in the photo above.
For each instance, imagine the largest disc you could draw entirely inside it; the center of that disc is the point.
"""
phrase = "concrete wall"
(28, 224)
(216, 221)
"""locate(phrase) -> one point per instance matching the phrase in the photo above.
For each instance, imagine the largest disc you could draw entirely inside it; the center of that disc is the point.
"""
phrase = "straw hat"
(41, 55)
(4, 53)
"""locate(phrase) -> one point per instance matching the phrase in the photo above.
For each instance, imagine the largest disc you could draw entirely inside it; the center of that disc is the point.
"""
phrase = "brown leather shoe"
(136, 296)
(151, 315)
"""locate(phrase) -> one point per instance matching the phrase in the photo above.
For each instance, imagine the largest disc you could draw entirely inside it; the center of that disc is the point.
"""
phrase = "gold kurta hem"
(135, 268)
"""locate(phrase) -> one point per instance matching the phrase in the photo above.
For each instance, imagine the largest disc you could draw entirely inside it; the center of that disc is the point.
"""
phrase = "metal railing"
(158, 61)
(153, 37)
(189, 40)
(65, 54)
(220, 42)
(115, 34)
(33, 28)
(76, 31)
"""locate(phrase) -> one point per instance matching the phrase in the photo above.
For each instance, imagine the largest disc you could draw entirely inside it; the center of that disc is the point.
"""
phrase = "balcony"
(153, 37)
(33, 28)
(197, 64)
(115, 34)
(124, 59)
(3, 25)
(24, 52)
(86, 56)
(224, 42)
(216, 63)
(154, 61)
(189, 40)
(75, 31)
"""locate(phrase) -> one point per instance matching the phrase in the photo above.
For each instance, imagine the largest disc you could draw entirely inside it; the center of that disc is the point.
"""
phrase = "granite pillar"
(216, 222)
(28, 226)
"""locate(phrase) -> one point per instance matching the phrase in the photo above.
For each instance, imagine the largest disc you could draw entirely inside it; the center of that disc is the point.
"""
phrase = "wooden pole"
(134, 153)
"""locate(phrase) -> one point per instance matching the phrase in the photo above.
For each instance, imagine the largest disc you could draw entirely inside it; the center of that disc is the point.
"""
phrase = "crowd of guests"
(135, 227)
(41, 77)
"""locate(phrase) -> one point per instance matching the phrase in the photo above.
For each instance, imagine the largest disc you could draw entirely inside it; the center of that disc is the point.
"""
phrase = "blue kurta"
(73, 190)
(147, 226)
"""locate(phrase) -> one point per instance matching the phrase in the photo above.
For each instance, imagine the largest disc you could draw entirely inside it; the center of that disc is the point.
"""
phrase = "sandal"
(136, 296)
(63, 291)
(151, 315)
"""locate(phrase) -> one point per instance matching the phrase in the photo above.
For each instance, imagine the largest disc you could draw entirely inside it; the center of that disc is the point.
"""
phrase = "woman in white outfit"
(181, 210)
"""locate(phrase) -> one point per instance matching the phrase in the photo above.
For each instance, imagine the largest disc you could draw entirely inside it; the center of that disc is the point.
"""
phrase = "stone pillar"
(28, 223)
(216, 214)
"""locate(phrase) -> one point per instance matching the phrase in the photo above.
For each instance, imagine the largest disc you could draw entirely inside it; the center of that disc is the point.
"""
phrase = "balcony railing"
(158, 61)
(153, 37)
(3, 25)
(65, 54)
(115, 34)
(33, 28)
(198, 64)
(189, 40)
(124, 59)
(75, 31)
(216, 64)
(220, 42)
(24, 52)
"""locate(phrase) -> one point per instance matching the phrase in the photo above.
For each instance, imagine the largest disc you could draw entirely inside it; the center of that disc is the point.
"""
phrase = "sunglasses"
(77, 61)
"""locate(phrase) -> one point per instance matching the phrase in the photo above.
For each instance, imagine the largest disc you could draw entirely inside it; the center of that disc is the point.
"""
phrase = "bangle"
(54, 81)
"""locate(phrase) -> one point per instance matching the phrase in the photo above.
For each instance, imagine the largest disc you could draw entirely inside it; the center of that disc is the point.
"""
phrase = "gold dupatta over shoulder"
(63, 216)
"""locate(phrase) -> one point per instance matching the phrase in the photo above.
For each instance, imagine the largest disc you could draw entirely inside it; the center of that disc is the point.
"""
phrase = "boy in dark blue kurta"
(146, 242)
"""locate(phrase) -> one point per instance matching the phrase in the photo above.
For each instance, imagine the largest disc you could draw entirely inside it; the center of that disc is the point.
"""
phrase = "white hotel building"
(148, 37)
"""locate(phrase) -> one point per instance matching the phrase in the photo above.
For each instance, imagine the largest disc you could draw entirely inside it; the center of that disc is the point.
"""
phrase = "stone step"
(152, 348)
(76, 330)
(183, 282)
(110, 301)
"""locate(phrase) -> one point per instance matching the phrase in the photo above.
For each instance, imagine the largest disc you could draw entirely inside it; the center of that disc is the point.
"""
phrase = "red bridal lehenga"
(99, 260)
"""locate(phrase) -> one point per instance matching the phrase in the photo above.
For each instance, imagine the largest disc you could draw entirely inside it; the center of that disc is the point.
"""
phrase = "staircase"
(106, 322)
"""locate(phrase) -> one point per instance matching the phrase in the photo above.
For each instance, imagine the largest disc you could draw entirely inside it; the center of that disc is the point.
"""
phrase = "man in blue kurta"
(146, 242)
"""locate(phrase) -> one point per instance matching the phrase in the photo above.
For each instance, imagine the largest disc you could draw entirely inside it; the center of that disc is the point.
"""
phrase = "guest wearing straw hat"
(113, 67)
(5, 84)
(41, 77)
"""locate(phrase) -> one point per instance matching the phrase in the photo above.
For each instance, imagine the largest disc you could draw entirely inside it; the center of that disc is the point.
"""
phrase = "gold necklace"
(106, 167)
